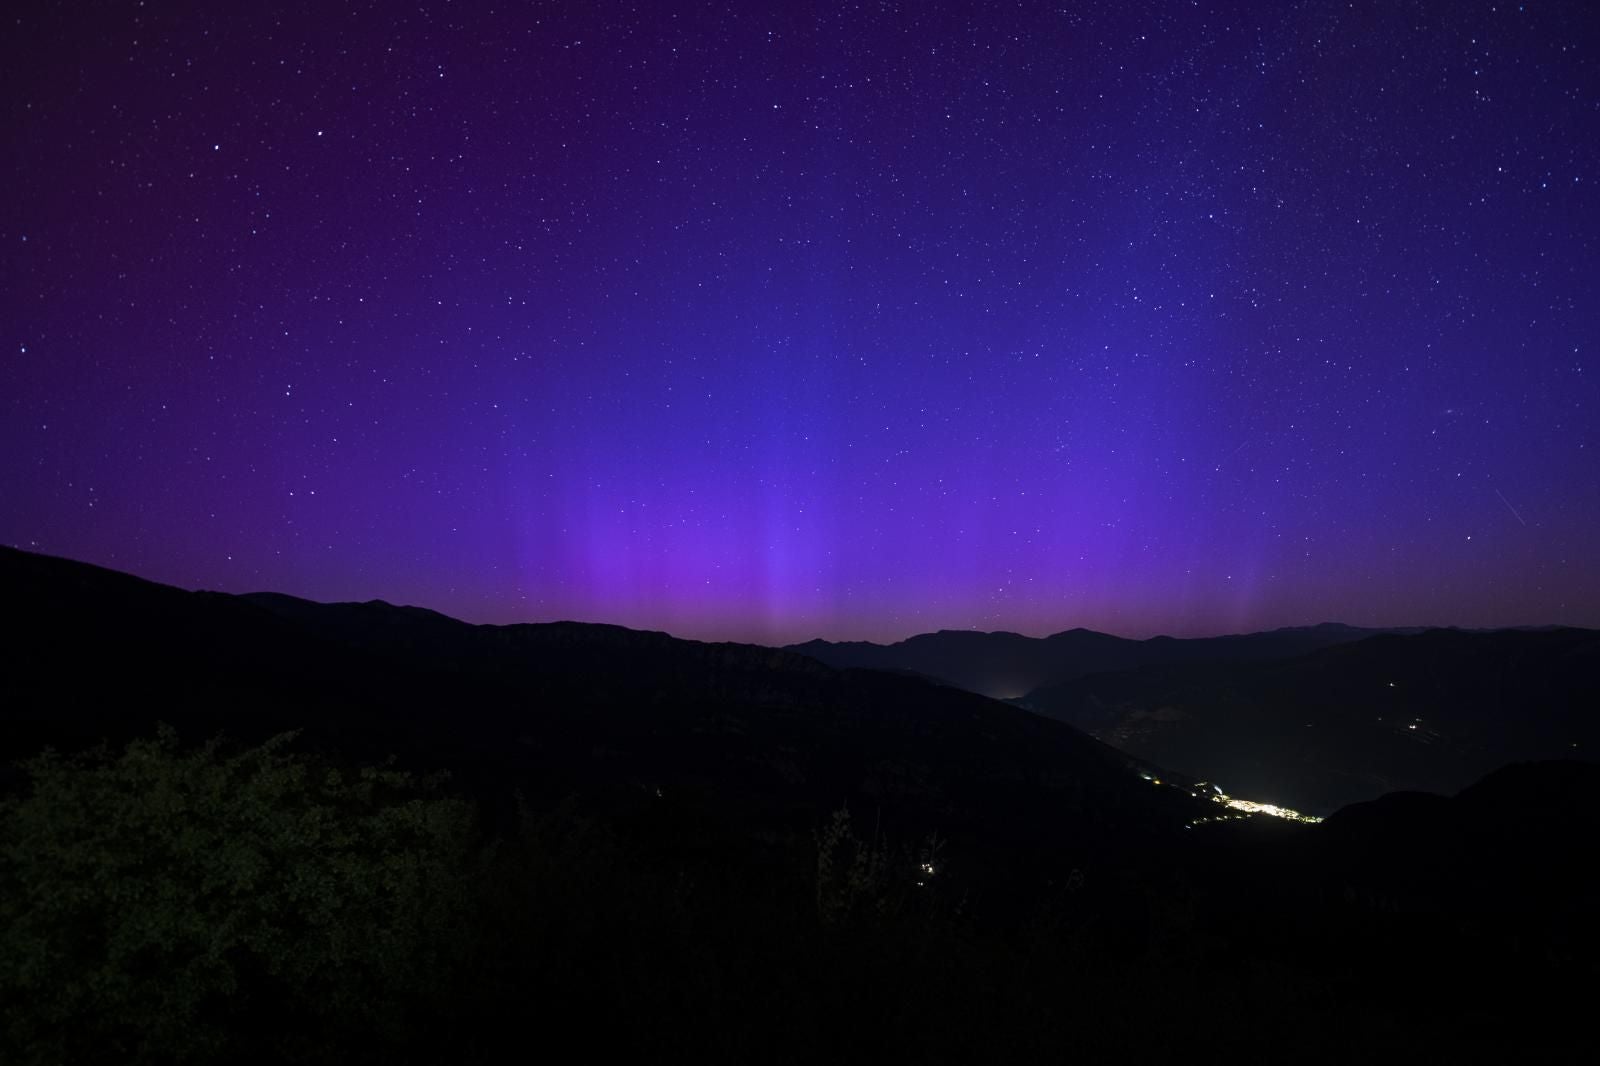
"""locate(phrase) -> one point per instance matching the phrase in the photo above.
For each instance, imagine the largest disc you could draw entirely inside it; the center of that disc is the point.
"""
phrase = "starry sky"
(850, 320)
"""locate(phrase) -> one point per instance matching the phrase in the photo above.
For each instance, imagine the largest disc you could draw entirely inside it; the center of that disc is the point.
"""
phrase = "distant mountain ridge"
(743, 733)
(1007, 665)
(1430, 711)
(98, 653)
(683, 787)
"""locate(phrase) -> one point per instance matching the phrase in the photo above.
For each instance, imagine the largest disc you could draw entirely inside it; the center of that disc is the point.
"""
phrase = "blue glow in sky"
(844, 321)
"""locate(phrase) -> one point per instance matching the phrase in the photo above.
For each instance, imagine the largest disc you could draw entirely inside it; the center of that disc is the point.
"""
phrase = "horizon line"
(1325, 623)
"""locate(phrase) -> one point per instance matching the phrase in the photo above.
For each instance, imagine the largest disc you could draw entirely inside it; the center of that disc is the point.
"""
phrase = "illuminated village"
(1242, 807)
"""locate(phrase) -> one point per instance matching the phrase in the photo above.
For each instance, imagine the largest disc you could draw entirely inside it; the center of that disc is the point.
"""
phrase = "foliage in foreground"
(171, 904)
(163, 904)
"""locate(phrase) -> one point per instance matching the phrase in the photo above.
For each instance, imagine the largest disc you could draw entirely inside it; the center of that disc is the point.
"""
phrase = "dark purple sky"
(855, 320)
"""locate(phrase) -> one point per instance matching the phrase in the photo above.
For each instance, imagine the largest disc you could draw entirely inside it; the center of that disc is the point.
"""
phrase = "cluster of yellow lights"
(1216, 795)
(1270, 809)
(1218, 818)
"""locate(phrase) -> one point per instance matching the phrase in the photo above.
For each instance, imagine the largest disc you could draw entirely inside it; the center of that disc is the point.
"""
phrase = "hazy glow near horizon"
(771, 325)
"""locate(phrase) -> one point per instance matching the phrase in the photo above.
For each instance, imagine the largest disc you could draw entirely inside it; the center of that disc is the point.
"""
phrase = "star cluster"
(767, 322)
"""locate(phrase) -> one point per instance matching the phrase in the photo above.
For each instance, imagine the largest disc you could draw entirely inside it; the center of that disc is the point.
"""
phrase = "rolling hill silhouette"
(1430, 711)
(740, 733)
(1009, 665)
(660, 819)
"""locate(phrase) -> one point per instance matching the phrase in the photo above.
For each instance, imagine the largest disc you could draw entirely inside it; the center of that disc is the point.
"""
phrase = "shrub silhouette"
(169, 905)
(165, 903)
(852, 874)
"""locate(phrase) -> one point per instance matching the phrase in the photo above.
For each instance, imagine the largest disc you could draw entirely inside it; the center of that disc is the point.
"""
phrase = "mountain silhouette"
(1009, 665)
(693, 833)
(1429, 711)
(742, 734)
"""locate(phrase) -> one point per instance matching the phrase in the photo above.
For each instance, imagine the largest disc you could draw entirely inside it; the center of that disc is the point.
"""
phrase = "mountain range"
(1311, 718)
(740, 733)
(669, 829)
(1008, 665)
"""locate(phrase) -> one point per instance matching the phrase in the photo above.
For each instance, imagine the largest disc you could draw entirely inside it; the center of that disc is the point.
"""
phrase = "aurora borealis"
(844, 320)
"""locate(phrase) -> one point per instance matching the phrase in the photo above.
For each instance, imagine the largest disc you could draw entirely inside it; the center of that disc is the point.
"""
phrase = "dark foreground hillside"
(679, 851)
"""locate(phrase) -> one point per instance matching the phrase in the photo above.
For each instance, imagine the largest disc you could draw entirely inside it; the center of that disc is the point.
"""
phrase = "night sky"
(850, 320)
